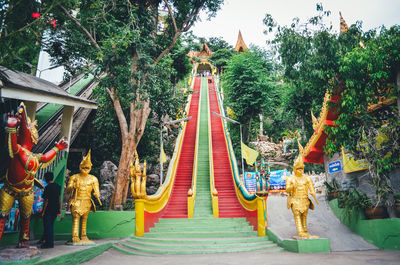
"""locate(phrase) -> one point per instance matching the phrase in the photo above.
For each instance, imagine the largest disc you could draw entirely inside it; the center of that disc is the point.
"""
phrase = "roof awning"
(22, 86)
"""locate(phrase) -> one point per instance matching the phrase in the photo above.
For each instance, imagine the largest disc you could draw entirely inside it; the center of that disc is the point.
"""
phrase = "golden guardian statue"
(80, 187)
(297, 187)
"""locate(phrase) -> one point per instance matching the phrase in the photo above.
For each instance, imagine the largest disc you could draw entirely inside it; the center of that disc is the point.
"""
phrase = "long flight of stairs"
(203, 206)
(177, 206)
(229, 206)
(177, 234)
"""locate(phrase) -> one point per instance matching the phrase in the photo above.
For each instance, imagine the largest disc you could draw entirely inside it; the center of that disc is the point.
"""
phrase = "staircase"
(203, 206)
(228, 203)
(197, 236)
(177, 206)
(177, 234)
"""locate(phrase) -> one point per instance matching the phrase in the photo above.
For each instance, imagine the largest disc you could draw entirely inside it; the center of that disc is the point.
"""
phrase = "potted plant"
(353, 200)
(332, 189)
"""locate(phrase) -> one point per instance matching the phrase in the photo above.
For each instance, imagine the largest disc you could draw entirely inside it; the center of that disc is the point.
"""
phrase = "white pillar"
(66, 123)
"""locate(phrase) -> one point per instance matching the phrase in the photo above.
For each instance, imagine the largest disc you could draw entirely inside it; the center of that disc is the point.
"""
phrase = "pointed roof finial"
(343, 24)
(240, 45)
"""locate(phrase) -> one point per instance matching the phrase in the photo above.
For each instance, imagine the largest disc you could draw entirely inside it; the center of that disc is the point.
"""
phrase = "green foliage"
(353, 201)
(248, 87)
(370, 73)
(220, 58)
(362, 67)
(128, 47)
(21, 34)
(217, 43)
(332, 186)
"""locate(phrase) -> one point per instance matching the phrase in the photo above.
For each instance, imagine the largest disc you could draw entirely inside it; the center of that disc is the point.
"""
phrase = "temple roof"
(240, 45)
(204, 53)
(343, 24)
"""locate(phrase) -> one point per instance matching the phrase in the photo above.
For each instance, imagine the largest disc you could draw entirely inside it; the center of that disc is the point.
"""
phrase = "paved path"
(370, 257)
(321, 222)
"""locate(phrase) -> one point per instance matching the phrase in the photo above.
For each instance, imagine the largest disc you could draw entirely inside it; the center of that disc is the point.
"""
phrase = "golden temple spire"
(343, 24)
(240, 45)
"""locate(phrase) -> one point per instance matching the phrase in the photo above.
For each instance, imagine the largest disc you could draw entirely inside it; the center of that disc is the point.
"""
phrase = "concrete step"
(196, 248)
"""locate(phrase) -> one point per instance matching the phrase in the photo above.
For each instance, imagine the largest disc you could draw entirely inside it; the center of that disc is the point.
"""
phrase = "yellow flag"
(249, 154)
(163, 157)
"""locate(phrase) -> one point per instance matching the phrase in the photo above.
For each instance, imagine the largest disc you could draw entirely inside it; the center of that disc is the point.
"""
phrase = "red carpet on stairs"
(177, 205)
(229, 205)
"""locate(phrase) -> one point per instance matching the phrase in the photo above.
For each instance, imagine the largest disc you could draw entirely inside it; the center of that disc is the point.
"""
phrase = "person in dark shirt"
(51, 209)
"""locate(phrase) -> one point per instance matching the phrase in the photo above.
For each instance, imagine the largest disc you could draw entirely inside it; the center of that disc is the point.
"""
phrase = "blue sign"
(335, 167)
(250, 181)
(277, 179)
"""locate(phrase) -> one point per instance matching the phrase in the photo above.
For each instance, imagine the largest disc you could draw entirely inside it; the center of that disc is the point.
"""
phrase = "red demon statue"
(23, 165)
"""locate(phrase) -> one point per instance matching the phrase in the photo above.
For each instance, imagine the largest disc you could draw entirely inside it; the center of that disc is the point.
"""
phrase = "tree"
(370, 74)
(362, 67)
(122, 39)
(308, 54)
(21, 30)
(220, 58)
(248, 87)
(218, 43)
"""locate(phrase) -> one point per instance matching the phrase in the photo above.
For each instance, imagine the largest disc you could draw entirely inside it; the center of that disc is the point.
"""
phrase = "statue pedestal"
(313, 245)
(19, 255)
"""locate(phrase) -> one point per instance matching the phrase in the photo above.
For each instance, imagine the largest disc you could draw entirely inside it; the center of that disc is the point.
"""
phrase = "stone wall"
(359, 179)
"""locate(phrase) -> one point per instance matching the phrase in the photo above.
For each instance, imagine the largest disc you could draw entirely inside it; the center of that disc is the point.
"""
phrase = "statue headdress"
(298, 163)
(34, 132)
(86, 161)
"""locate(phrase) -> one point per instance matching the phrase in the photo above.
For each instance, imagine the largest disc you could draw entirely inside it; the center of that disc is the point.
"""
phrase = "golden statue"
(297, 187)
(80, 186)
(138, 180)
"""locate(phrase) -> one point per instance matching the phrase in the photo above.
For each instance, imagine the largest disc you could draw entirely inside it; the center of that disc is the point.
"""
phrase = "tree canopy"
(363, 68)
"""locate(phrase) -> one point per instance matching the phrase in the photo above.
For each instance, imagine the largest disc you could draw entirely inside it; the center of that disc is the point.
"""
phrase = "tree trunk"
(136, 130)
(261, 125)
(122, 177)
(125, 191)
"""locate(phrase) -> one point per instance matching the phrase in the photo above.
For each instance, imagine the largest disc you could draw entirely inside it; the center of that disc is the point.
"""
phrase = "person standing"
(51, 209)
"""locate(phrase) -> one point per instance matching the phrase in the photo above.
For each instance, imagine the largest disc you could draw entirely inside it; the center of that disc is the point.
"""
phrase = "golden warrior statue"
(80, 186)
(297, 187)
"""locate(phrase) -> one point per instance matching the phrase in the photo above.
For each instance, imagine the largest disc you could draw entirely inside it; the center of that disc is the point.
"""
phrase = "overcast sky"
(247, 16)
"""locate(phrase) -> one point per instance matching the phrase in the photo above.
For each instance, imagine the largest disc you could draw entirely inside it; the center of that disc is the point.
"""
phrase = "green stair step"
(179, 250)
(204, 245)
(202, 220)
(209, 229)
(200, 234)
(203, 206)
(186, 241)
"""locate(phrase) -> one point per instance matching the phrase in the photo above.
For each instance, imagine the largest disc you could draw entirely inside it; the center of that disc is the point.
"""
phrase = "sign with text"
(335, 166)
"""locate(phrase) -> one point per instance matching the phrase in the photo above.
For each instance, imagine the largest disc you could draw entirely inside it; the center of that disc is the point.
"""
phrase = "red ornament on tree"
(53, 22)
(36, 15)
